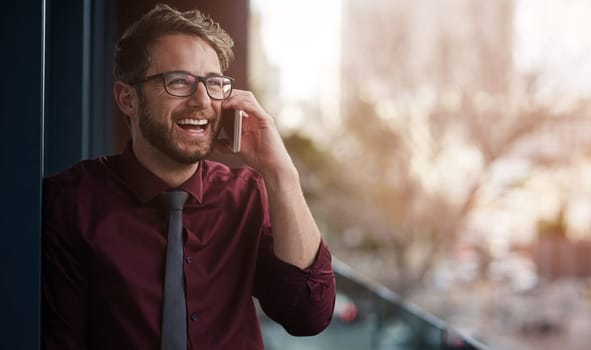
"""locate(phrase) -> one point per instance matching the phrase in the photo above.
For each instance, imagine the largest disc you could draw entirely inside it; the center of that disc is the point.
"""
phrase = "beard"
(160, 135)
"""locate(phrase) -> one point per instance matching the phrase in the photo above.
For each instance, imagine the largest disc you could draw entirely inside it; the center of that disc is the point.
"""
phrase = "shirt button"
(194, 317)
(188, 259)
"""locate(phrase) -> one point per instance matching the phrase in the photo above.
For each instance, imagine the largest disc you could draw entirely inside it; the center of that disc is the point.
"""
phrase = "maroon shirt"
(104, 245)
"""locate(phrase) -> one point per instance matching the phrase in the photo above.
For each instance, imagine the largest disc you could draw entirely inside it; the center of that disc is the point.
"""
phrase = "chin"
(191, 156)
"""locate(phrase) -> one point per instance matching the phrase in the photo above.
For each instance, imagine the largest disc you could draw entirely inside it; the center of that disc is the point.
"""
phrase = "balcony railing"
(369, 316)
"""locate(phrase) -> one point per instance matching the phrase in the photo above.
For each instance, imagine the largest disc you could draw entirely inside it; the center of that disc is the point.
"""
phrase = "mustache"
(194, 114)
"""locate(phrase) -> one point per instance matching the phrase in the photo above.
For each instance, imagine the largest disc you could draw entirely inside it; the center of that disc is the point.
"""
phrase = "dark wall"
(78, 123)
(21, 122)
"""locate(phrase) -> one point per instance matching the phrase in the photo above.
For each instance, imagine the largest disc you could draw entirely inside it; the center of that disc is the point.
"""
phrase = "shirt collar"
(146, 185)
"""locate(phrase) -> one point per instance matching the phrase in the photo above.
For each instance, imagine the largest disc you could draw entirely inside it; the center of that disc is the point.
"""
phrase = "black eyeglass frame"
(198, 79)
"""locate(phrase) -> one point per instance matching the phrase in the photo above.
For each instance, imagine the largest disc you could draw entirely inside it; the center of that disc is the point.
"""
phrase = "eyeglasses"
(183, 84)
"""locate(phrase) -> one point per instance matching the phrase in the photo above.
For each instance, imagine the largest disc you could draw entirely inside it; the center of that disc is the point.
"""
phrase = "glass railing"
(369, 316)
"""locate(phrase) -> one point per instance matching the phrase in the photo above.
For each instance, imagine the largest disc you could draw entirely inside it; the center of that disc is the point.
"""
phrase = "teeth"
(193, 121)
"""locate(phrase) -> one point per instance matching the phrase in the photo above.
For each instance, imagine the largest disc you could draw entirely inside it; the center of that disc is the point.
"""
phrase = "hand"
(296, 237)
(262, 147)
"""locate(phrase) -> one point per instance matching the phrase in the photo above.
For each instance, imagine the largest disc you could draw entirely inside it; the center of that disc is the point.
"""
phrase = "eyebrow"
(214, 74)
(210, 74)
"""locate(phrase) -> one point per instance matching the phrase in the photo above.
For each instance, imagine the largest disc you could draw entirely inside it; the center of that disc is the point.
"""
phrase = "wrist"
(278, 177)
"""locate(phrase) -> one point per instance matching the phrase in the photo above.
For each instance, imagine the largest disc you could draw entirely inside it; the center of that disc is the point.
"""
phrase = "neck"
(170, 171)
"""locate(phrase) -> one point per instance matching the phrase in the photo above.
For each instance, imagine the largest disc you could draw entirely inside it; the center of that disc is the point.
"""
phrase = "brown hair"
(132, 57)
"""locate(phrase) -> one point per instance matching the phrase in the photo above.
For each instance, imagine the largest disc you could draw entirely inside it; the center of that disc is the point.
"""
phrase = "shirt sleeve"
(64, 280)
(301, 300)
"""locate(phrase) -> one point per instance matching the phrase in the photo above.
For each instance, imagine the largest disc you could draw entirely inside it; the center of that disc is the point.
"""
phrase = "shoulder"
(69, 181)
(215, 172)
(242, 182)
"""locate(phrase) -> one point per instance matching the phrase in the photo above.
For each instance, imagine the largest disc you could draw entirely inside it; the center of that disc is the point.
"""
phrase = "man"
(246, 232)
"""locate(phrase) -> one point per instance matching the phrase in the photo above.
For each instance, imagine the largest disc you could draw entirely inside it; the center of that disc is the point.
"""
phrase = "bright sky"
(302, 38)
(554, 37)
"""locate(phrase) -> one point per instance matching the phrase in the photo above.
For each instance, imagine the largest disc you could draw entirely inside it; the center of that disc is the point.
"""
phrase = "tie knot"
(174, 200)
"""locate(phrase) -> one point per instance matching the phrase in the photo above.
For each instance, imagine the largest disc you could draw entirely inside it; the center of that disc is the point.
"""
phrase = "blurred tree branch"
(423, 129)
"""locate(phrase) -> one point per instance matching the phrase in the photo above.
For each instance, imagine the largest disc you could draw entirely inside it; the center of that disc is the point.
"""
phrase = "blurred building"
(561, 258)
(398, 48)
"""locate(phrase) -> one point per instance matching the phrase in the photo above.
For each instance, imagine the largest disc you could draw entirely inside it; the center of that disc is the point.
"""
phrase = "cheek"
(163, 111)
(217, 108)
(218, 114)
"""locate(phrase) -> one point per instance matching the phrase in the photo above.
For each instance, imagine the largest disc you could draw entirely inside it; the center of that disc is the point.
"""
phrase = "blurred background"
(444, 147)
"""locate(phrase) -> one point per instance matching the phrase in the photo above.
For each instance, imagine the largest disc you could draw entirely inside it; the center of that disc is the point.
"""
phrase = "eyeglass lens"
(183, 84)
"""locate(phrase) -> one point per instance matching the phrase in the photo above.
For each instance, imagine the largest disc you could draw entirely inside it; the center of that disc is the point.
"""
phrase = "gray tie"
(174, 313)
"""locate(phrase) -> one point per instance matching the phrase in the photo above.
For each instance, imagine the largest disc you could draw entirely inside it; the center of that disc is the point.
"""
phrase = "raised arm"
(296, 237)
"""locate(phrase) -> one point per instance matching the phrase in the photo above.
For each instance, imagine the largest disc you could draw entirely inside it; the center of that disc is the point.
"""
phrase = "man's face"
(181, 128)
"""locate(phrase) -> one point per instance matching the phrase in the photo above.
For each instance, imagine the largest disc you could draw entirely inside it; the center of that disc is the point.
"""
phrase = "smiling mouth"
(195, 125)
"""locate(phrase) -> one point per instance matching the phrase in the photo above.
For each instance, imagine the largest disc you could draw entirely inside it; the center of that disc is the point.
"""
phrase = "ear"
(126, 98)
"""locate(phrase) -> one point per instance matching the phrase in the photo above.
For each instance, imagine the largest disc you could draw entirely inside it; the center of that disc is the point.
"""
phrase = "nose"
(200, 98)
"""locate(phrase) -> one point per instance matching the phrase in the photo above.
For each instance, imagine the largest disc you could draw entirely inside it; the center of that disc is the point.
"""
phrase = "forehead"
(183, 52)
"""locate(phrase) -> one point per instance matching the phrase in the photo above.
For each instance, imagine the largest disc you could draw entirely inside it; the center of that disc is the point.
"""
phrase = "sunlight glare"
(302, 39)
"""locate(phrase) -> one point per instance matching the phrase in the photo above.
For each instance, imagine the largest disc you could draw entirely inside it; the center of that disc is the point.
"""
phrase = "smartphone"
(231, 131)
